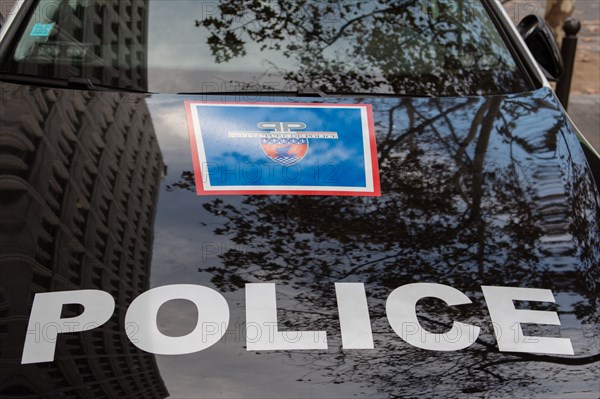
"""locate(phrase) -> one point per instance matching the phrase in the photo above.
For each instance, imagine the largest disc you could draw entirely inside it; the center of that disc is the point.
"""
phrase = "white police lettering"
(262, 333)
(355, 323)
(507, 319)
(45, 322)
(213, 318)
(402, 315)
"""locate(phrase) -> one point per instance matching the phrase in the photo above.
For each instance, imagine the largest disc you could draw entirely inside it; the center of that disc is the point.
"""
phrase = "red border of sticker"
(198, 172)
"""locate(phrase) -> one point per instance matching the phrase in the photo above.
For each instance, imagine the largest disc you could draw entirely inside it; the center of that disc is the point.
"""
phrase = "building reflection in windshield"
(105, 41)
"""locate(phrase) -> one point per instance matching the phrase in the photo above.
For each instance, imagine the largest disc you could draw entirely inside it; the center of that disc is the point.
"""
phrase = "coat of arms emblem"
(283, 143)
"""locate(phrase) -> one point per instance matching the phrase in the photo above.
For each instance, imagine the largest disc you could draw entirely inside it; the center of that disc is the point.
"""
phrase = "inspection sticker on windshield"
(41, 30)
(283, 148)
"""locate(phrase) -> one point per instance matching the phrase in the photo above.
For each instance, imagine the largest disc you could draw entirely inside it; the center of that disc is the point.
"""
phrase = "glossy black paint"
(475, 191)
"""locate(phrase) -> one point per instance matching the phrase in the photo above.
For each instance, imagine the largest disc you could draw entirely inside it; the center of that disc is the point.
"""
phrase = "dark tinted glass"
(410, 47)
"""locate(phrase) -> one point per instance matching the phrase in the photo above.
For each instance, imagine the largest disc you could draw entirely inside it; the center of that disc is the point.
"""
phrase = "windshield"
(419, 48)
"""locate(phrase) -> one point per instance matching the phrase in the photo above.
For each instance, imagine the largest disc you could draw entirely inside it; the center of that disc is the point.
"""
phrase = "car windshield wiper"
(69, 83)
(304, 92)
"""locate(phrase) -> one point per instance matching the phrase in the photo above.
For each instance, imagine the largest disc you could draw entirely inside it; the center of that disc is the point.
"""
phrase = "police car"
(271, 199)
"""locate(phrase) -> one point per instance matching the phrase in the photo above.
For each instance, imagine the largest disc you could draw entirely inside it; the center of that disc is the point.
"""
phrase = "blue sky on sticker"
(241, 161)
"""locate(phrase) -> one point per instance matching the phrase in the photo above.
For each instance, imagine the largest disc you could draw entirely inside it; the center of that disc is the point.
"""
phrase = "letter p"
(46, 310)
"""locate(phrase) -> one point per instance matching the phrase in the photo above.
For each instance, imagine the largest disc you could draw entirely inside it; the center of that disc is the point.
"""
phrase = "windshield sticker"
(41, 30)
(283, 148)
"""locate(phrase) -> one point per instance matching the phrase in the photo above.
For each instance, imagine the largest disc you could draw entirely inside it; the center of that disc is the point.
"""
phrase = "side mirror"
(541, 42)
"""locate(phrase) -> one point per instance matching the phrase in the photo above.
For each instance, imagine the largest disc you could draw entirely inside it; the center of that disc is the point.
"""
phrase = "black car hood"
(97, 192)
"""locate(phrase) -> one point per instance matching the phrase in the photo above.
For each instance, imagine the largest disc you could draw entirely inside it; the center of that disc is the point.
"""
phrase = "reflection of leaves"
(187, 182)
(380, 46)
(228, 47)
